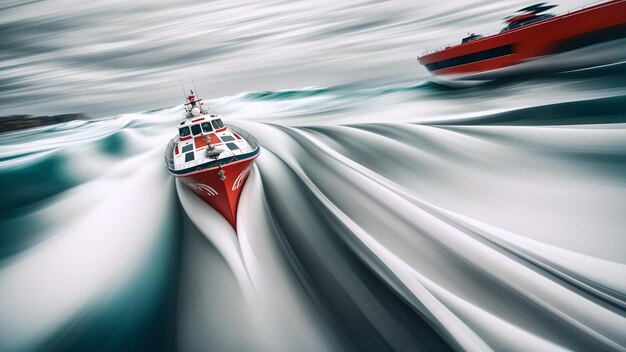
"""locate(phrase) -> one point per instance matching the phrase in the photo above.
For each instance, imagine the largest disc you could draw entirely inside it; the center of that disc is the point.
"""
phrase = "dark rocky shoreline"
(20, 122)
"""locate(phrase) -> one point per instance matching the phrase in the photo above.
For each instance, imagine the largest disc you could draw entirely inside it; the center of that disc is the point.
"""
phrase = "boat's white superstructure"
(211, 158)
(205, 138)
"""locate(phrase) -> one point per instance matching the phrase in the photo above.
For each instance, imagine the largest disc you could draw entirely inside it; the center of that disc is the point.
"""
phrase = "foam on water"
(374, 218)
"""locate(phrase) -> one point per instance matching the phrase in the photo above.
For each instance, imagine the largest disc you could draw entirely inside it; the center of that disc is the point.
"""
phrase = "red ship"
(532, 34)
(211, 158)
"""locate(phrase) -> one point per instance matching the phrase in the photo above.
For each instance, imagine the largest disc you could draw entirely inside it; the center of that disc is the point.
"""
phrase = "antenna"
(183, 87)
(197, 94)
(194, 85)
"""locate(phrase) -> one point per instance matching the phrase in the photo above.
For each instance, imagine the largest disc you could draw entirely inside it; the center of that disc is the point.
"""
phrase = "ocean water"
(387, 211)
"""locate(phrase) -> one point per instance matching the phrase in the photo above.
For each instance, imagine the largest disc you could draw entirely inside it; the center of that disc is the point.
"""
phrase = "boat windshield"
(206, 127)
(195, 129)
(217, 124)
(183, 131)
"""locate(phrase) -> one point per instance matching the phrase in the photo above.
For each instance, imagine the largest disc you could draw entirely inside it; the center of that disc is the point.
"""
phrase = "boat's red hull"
(221, 195)
(599, 23)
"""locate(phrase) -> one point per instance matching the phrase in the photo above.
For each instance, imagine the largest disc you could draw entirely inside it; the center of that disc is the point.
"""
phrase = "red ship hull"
(582, 28)
(223, 195)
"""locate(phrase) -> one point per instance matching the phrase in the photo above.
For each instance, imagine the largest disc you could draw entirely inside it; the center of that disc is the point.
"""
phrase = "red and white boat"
(592, 35)
(211, 158)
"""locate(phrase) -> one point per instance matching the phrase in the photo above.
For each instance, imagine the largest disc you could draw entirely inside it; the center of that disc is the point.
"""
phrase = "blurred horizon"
(106, 58)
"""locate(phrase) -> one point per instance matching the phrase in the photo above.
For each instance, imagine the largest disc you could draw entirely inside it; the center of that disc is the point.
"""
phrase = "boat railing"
(169, 153)
(253, 144)
(448, 46)
(252, 141)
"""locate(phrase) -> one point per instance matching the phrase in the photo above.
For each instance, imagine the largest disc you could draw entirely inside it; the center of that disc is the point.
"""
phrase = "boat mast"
(197, 94)
(194, 85)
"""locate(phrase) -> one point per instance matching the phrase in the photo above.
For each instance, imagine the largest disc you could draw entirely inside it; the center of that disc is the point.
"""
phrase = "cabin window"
(183, 131)
(227, 138)
(195, 129)
(187, 148)
(189, 157)
(217, 124)
(206, 127)
(469, 58)
(232, 146)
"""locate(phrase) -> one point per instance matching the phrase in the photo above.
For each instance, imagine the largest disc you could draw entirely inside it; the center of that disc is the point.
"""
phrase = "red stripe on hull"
(221, 195)
(531, 41)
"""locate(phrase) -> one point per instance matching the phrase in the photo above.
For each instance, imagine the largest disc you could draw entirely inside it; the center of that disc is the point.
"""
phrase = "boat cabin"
(523, 20)
(471, 37)
(530, 14)
(202, 125)
(205, 138)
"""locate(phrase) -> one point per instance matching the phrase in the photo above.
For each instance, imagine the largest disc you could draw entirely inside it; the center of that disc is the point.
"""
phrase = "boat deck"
(184, 155)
